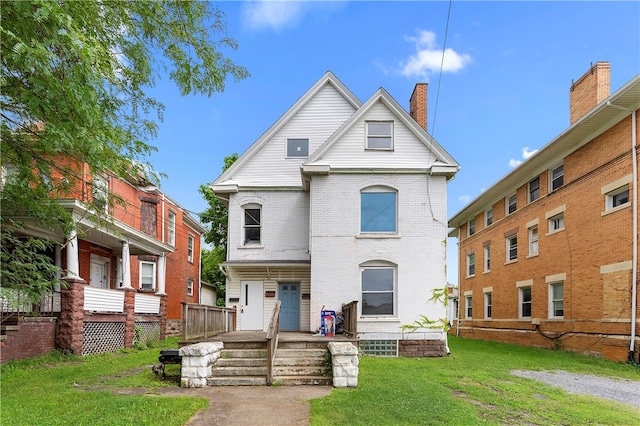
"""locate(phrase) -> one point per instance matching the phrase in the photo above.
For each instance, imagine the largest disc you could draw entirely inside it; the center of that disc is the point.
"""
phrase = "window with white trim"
(100, 193)
(512, 248)
(487, 258)
(147, 275)
(488, 216)
(556, 177)
(618, 198)
(468, 300)
(534, 189)
(171, 229)
(252, 225)
(512, 204)
(378, 211)
(297, 148)
(471, 227)
(471, 264)
(556, 223)
(488, 305)
(556, 299)
(190, 245)
(380, 135)
(524, 298)
(533, 240)
(378, 290)
(190, 287)
(456, 307)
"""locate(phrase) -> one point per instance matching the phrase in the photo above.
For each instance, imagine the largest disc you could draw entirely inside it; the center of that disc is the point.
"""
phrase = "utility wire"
(446, 31)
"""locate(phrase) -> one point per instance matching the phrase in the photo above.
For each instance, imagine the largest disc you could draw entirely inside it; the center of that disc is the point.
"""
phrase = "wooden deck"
(261, 336)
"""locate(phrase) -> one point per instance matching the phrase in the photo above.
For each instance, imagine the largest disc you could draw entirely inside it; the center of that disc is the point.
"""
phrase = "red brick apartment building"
(132, 273)
(548, 255)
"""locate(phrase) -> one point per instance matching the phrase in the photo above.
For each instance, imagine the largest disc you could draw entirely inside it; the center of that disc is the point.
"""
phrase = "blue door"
(290, 306)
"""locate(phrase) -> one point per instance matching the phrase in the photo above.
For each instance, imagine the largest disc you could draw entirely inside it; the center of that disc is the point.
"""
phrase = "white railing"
(147, 304)
(103, 300)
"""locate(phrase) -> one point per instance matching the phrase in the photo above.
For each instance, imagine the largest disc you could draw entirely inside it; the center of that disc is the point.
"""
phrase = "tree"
(74, 75)
(216, 215)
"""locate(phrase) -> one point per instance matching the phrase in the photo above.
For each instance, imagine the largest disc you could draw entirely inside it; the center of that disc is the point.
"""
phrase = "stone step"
(237, 381)
(241, 362)
(301, 353)
(303, 380)
(238, 371)
(302, 345)
(245, 345)
(309, 361)
(243, 353)
(302, 370)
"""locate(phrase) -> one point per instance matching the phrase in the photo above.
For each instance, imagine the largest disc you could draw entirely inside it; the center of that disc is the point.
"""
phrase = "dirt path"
(252, 405)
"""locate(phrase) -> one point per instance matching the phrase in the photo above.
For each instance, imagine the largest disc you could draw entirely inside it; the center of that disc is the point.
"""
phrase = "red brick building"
(548, 255)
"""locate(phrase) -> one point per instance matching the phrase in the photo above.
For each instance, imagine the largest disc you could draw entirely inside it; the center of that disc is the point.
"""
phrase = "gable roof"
(224, 182)
(597, 121)
(445, 164)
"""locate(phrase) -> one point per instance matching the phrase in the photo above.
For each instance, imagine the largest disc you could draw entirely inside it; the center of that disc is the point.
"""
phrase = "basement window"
(379, 347)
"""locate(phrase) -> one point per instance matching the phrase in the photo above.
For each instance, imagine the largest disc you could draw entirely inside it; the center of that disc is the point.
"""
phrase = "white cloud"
(464, 198)
(526, 153)
(272, 14)
(429, 58)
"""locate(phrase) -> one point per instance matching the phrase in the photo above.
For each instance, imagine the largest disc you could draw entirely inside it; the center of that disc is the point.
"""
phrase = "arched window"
(252, 223)
(378, 209)
(378, 288)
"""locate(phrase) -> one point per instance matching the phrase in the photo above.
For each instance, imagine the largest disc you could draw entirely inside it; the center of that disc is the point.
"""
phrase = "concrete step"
(301, 353)
(302, 380)
(302, 345)
(241, 362)
(301, 370)
(243, 353)
(237, 381)
(245, 345)
(309, 361)
(238, 371)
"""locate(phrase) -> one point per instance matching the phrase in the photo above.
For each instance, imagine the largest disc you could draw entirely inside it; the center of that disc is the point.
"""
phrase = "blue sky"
(503, 92)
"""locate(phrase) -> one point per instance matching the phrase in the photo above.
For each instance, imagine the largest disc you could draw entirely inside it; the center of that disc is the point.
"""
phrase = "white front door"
(251, 305)
(99, 272)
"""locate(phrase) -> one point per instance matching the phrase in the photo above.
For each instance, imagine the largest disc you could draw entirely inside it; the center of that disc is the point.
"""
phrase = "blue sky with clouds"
(502, 94)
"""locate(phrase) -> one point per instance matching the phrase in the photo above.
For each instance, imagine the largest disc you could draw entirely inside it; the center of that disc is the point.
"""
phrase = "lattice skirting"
(100, 337)
(148, 331)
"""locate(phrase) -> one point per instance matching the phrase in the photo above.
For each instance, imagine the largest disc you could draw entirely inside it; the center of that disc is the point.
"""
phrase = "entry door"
(251, 305)
(290, 306)
(99, 272)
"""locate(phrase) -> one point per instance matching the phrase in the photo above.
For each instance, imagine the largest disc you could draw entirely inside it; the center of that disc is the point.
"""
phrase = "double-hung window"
(471, 226)
(556, 299)
(147, 275)
(488, 305)
(297, 148)
(512, 204)
(525, 302)
(190, 244)
(557, 177)
(533, 240)
(378, 211)
(488, 217)
(487, 258)
(190, 287)
(378, 288)
(380, 135)
(512, 248)
(252, 225)
(100, 194)
(471, 264)
(171, 229)
(468, 300)
(534, 189)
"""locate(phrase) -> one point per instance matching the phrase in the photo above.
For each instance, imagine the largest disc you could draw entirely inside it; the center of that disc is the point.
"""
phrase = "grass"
(472, 386)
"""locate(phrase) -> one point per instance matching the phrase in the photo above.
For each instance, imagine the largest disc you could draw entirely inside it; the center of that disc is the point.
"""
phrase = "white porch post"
(73, 265)
(162, 273)
(126, 265)
(119, 271)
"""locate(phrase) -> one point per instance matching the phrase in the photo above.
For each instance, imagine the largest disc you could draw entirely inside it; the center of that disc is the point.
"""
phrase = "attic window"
(297, 148)
(380, 135)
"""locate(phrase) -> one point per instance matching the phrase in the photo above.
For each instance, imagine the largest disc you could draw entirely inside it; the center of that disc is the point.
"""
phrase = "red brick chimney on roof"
(418, 104)
(590, 89)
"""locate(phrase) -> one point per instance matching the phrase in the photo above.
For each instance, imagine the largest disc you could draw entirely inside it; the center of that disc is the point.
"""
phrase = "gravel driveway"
(621, 390)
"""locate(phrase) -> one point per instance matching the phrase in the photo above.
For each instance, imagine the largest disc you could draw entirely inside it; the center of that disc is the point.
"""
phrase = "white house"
(341, 201)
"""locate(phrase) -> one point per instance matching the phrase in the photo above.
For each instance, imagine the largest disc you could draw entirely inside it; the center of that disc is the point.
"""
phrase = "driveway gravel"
(621, 390)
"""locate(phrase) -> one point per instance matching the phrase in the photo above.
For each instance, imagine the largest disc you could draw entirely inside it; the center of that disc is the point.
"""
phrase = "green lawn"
(472, 386)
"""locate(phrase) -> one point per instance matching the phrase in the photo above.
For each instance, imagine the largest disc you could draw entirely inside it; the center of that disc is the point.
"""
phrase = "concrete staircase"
(296, 363)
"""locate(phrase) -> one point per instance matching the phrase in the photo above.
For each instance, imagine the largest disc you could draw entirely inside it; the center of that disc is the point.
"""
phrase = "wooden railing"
(350, 313)
(203, 321)
(272, 341)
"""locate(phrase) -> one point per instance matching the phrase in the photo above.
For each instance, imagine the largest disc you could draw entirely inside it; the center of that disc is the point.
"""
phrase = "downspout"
(634, 260)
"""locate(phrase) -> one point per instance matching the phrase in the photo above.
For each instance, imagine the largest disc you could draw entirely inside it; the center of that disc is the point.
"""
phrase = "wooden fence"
(350, 313)
(203, 321)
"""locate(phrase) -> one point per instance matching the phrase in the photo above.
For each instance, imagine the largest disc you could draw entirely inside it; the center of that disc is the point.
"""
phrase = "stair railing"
(350, 314)
(272, 341)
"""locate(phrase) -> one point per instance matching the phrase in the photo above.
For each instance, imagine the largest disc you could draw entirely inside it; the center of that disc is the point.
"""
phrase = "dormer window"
(297, 148)
(380, 135)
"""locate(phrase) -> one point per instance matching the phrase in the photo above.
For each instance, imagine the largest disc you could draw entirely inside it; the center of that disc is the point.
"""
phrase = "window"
(557, 177)
(468, 306)
(190, 287)
(148, 217)
(512, 248)
(190, 248)
(534, 189)
(525, 302)
(488, 217)
(471, 264)
(9, 174)
(147, 275)
(378, 291)
(100, 193)
(556, 300)
(617, 198)
(512, 204)
(487, 305)
(377, 210)
(533, 240)
(297, 147)
(380, 135)
(556, 223)
(252, 225)
(456, 307)
(471, 226)
(487, 258)
(171, 229)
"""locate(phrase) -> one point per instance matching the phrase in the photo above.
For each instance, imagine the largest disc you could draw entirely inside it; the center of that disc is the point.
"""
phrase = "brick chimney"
(590, 89)
(418, 104)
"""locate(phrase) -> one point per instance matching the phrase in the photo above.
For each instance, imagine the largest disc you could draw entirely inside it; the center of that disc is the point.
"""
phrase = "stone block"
(340, 382)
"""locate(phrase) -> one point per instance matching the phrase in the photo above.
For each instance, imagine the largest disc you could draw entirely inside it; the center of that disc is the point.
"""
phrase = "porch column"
(126, 265)
(162, 273)
(73, 265)
(118, 271)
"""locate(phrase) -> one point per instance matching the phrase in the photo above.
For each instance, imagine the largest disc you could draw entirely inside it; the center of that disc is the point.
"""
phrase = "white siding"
(317, 120)
(103, 300)
(419, 252)
(146, 304)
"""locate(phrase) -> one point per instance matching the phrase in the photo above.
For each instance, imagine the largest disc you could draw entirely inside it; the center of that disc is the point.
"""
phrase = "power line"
(446, 31)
